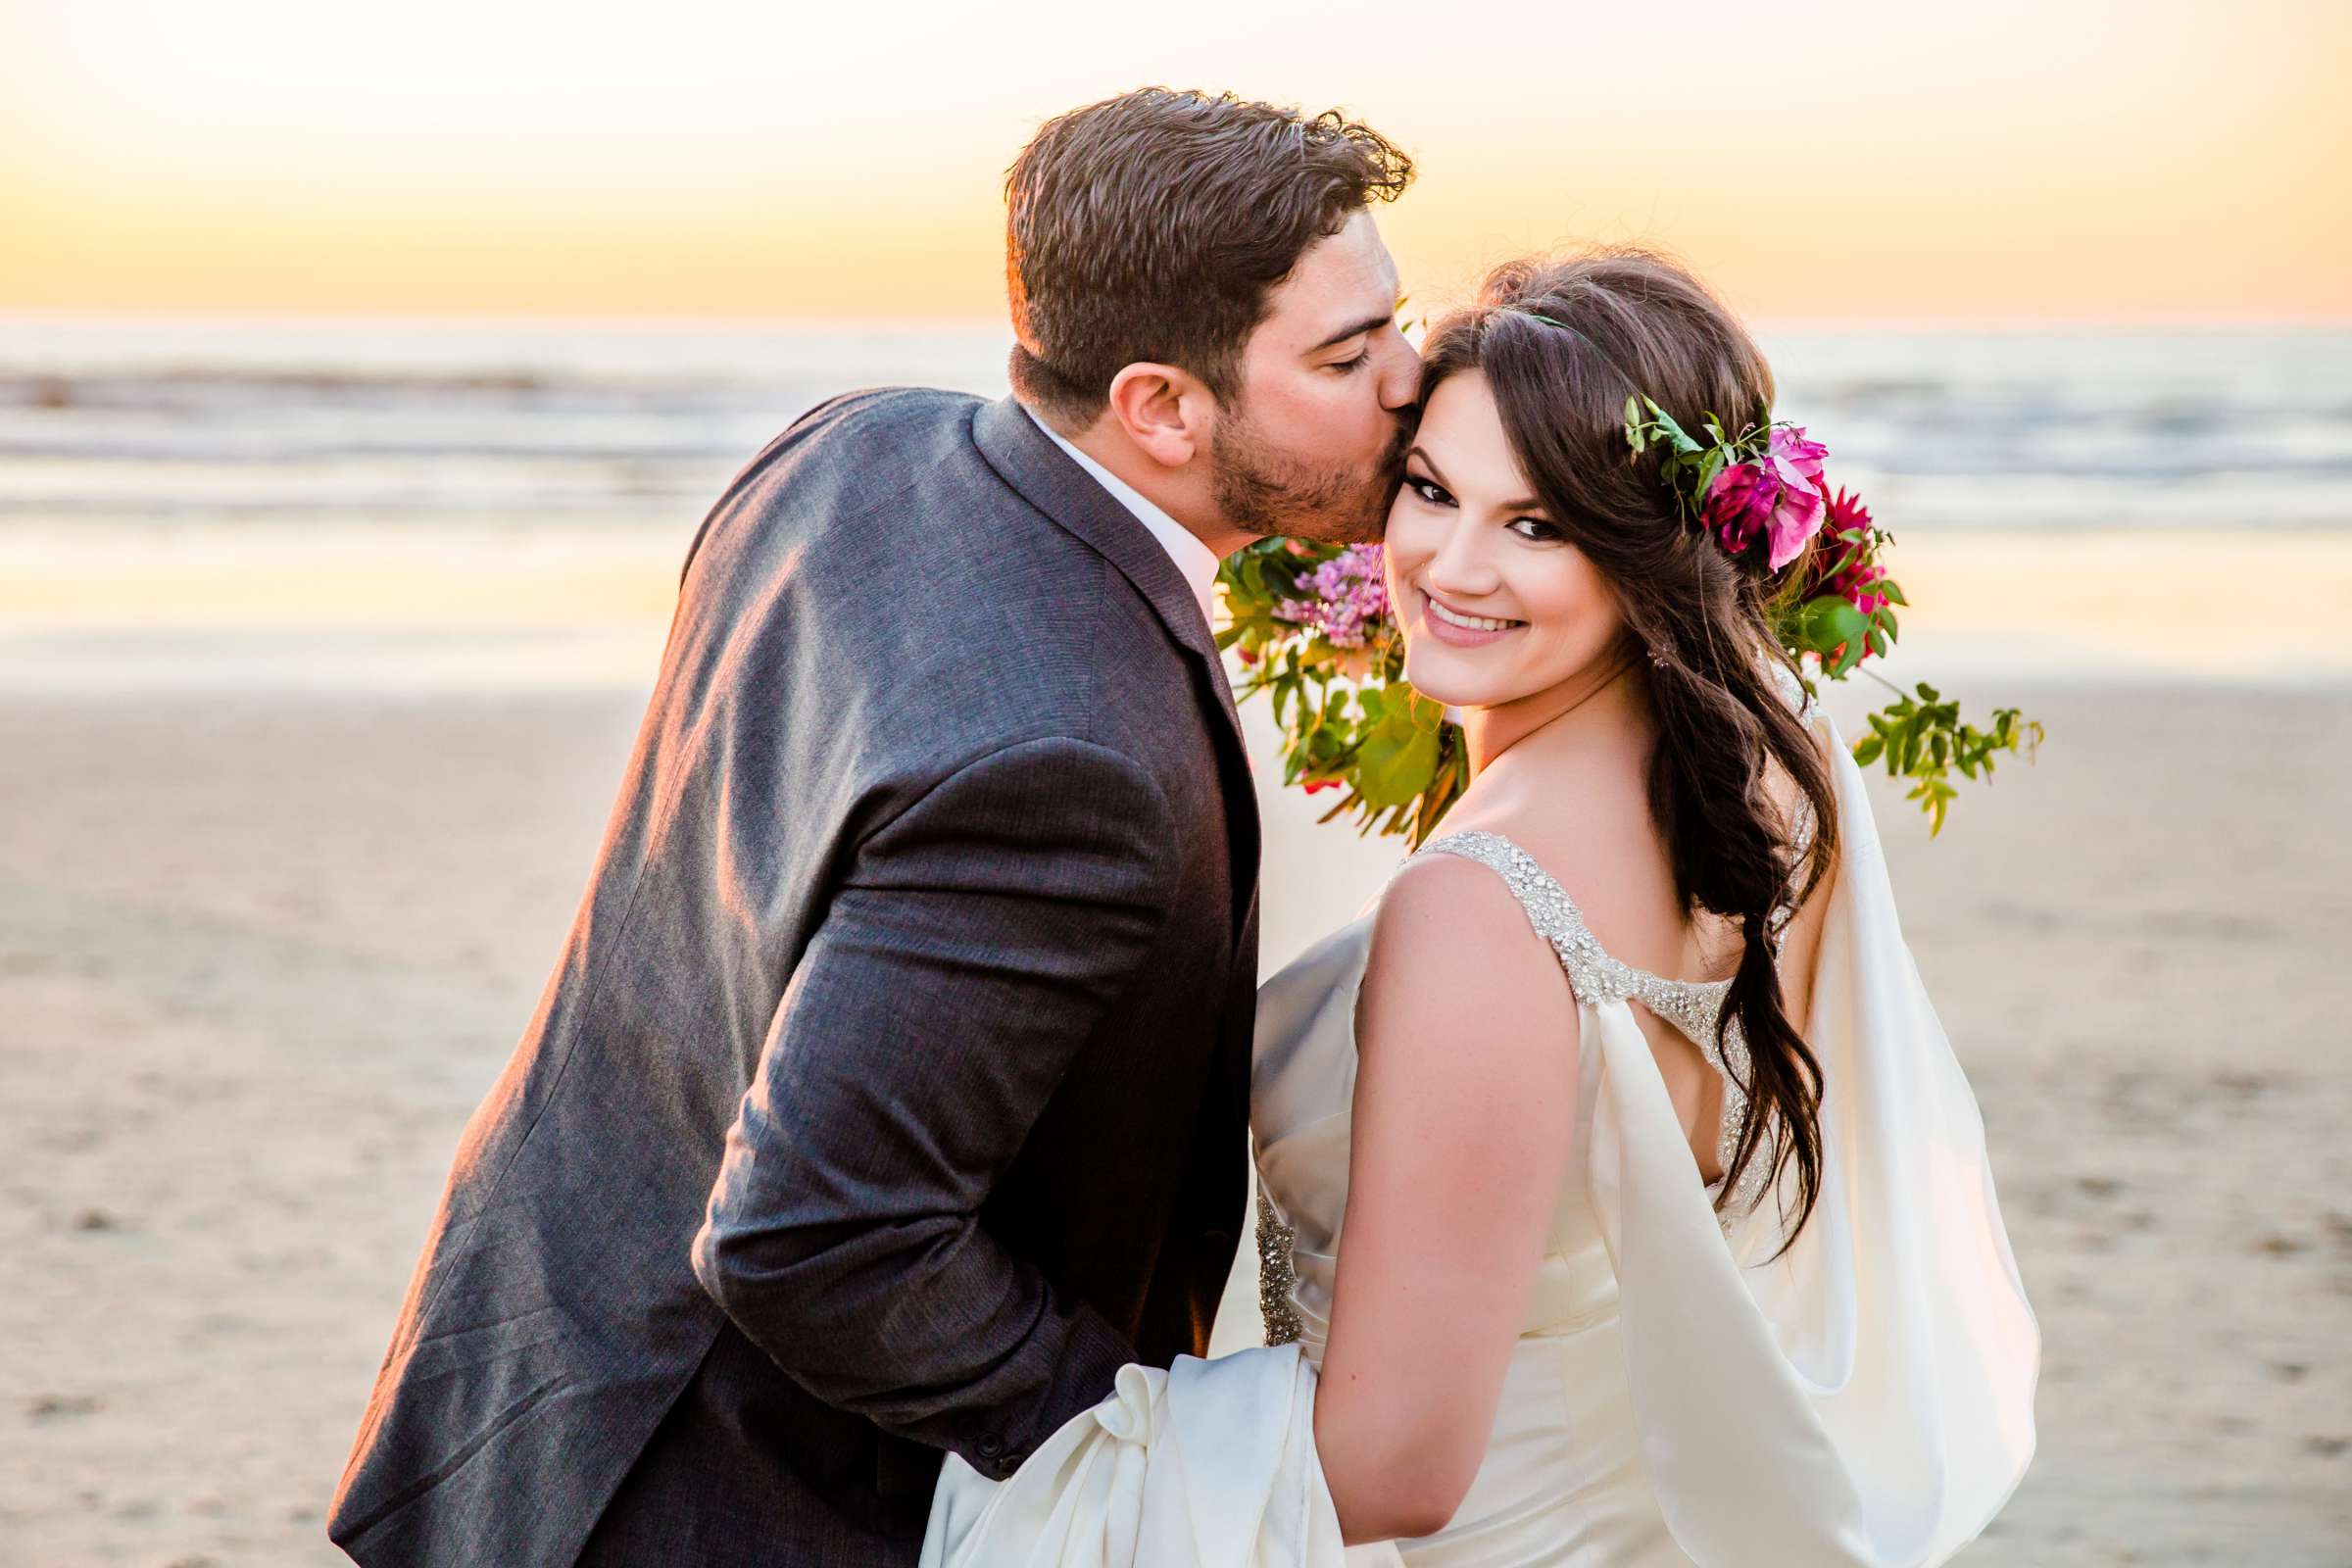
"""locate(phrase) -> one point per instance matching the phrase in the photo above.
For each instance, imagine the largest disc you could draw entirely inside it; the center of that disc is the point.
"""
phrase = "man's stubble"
(1269, 492)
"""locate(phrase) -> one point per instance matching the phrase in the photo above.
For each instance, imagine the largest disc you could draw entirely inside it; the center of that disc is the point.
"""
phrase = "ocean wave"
(500, 423)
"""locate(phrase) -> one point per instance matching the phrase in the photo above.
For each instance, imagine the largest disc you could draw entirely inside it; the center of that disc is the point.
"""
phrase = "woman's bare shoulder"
(1450, 946)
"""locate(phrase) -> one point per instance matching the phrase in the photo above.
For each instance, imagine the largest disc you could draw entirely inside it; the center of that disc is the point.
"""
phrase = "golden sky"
(1817, 160)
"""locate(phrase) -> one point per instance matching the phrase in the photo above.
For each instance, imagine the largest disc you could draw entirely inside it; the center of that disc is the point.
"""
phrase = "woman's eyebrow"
(1523, 504)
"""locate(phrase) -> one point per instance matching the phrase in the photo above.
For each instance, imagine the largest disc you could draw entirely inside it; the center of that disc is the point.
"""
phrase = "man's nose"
(1400, 378)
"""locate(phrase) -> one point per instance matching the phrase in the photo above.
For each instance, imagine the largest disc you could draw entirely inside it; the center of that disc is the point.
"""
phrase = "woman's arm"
(1465, 1100)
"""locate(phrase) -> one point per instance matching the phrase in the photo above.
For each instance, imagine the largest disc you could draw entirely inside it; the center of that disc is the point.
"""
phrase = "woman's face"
(1495, 603)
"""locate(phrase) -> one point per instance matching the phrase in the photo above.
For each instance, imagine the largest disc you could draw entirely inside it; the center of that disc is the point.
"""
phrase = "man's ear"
(1166, 411)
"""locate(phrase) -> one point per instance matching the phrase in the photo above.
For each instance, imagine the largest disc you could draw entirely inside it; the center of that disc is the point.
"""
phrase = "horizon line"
(963, 322)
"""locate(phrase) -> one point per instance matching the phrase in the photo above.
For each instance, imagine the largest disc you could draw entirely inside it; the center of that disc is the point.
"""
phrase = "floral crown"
(1312, 628)
(1760, 494)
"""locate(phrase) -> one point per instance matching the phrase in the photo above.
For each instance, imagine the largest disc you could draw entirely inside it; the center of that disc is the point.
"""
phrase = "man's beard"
(1266, 491)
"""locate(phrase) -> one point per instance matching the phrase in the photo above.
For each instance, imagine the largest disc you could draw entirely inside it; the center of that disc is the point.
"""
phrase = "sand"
(263, 942)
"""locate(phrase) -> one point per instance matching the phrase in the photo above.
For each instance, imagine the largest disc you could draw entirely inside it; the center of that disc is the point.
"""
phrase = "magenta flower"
(1855, 584)
(1777, 495)
(1853, 578)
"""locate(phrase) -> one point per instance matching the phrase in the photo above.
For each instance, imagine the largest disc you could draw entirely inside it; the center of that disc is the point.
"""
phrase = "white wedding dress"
(1677, 1395)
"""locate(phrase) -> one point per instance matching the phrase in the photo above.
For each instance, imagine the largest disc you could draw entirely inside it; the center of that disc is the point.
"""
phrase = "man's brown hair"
(1152, 226)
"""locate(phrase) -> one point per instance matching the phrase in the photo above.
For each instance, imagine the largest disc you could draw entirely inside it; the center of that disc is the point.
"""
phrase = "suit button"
(992, 1448)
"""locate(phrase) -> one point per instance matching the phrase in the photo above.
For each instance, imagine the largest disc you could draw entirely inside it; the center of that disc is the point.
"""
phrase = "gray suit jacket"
(892, 1088)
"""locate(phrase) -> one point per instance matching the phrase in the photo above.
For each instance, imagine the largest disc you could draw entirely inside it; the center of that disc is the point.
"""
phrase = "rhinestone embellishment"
(1276, 1275)
(1692, 1006)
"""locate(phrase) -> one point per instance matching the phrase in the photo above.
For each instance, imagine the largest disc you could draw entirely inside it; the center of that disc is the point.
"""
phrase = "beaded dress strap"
(1692, 1006)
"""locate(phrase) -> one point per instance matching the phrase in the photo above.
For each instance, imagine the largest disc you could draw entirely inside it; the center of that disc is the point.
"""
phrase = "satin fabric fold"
(1867, 1396)
(1679, 1394)
(1207, 1463)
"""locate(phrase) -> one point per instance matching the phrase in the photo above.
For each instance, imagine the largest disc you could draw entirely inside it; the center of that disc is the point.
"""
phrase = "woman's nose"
(1460, 566)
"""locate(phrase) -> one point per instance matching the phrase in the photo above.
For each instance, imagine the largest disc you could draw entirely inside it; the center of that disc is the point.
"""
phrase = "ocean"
(227, 426)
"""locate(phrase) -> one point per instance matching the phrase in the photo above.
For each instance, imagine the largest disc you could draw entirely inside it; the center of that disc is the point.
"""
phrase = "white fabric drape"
(1209, 1462)
(1863, 1400)
(1868, 1397)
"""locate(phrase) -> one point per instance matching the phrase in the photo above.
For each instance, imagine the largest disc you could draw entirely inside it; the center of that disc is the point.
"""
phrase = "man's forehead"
(1341, 280)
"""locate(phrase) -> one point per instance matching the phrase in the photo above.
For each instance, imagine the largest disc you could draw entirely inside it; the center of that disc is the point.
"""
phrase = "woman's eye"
(1428, 491)
(1534, 528)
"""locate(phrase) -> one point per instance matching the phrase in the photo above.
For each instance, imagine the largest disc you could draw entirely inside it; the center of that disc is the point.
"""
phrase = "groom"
(891, 1090)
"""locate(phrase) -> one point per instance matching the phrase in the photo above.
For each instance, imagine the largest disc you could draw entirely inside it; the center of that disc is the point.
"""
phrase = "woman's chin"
(1436, 680)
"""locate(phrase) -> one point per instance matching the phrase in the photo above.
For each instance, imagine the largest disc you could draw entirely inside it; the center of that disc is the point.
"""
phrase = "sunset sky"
(2066, 159)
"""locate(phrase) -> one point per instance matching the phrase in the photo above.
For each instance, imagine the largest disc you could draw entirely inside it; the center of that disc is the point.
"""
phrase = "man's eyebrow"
(1370, 323)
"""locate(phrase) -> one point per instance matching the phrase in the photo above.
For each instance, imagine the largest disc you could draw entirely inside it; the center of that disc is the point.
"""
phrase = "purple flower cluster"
(1352, 598)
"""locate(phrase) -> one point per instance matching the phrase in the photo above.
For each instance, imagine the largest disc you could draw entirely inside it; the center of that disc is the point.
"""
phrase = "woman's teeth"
(1471, 623)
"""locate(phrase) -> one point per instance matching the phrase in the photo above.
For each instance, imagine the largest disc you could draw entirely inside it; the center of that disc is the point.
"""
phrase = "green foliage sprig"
(1349, 720)
(1923, 740)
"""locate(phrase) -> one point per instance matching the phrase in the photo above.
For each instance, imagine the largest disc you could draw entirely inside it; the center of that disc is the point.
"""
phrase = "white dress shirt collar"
(1194, 560)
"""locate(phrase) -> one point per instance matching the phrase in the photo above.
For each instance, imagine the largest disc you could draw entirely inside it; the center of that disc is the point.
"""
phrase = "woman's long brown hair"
(1562, 343)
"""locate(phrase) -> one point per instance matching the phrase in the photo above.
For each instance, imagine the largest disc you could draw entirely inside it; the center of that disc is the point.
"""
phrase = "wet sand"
(262, 950)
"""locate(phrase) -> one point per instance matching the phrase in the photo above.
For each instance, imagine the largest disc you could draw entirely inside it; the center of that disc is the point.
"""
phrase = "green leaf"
(1828, 621)
(1708, 467)
(1397, 762)
(1675, 434)
(1868, 748)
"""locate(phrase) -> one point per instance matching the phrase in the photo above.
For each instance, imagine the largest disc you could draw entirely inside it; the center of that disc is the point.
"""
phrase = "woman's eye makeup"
(1533, 529)
(1427, 489)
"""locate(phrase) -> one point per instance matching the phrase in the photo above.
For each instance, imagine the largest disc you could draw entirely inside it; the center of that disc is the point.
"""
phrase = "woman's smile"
(1460, 628)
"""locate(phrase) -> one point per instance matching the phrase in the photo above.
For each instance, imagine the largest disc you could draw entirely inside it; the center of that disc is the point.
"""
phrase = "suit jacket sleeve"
(978, 941)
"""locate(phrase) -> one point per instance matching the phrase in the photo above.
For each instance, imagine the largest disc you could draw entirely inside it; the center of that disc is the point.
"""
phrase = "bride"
(1621, 1200)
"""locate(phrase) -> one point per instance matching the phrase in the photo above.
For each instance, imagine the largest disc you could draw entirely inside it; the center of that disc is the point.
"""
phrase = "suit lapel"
(1044, 475)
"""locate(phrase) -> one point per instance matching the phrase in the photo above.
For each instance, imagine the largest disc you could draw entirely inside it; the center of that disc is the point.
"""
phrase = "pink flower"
(1852, 575)
(1855, 578)
(1846, 512)
(1314, 786)
(1855, 584)
(1777, 495)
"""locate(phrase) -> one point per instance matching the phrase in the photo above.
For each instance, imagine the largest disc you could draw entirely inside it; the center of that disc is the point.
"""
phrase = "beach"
(308, 730)
(265, 951)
